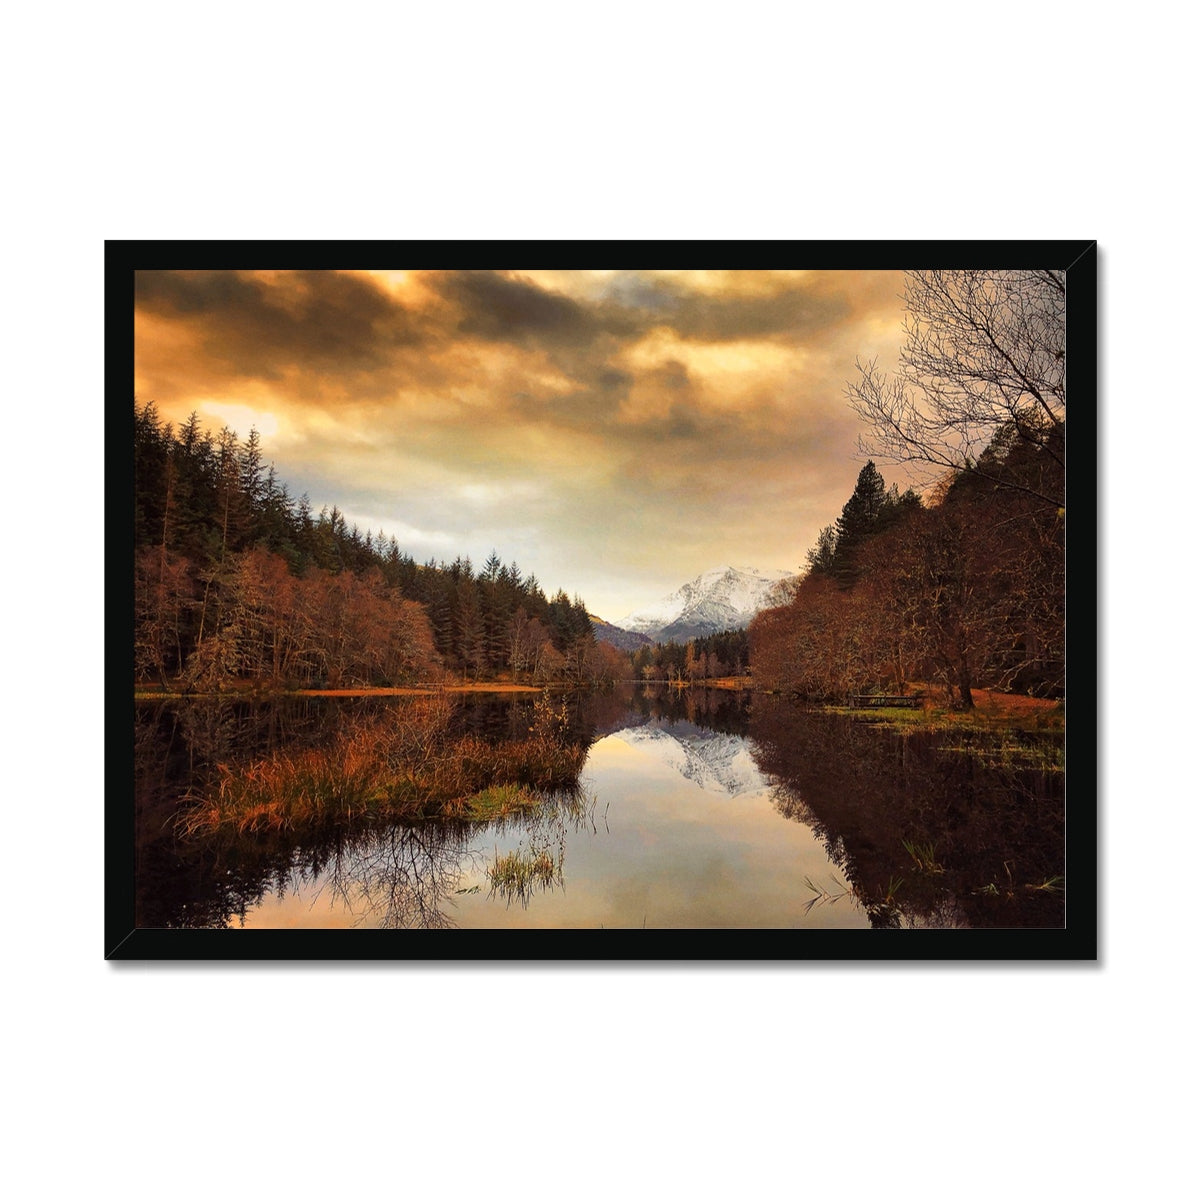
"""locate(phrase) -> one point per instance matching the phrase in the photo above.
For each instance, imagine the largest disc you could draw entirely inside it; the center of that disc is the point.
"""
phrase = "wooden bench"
(886, 701)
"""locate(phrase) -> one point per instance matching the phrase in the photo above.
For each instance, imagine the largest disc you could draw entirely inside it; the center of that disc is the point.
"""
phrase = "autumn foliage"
(965, 590)
(235, 580)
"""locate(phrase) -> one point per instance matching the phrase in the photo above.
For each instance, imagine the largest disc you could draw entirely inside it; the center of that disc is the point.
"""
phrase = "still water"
(706, 810)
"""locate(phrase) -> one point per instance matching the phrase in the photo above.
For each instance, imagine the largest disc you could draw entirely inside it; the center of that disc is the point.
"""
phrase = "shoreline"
(157, 692)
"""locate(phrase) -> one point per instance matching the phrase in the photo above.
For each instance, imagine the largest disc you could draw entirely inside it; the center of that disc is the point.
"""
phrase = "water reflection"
(397, 878)
(720, 762)
(929, 833)
(695, 810)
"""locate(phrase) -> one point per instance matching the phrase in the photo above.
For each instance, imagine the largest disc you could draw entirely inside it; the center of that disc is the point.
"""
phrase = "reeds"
(824, 895)
(517, 874)
(403, 767)
(924, 855)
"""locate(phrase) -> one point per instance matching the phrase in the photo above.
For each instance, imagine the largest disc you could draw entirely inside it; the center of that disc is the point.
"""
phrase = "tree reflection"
(401, 875)
(716, 709)
(925, 833)
(928, 834)
(406, 876)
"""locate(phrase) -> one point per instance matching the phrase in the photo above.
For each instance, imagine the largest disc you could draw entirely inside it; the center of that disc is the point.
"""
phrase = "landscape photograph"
(474, 610)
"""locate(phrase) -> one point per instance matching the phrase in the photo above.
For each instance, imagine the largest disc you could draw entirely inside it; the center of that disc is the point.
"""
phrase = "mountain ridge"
(614, 635)
(717, 600)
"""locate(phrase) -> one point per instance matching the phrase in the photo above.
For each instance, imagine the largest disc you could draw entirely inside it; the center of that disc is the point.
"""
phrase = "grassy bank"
(403, 766)
(1001, 731)
(994, 712)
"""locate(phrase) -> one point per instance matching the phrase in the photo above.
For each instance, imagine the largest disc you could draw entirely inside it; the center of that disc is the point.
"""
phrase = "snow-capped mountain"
(720, 599)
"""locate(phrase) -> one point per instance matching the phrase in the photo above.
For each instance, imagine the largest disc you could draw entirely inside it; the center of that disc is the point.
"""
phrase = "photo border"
(1077, 941)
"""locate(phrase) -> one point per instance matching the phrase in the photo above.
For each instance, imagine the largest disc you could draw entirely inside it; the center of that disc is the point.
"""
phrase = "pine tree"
(468, 622)
(253, 487)
(822, 556)
(859, 515)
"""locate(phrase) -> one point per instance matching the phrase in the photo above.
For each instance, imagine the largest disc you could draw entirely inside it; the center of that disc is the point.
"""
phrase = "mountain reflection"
(715, 762)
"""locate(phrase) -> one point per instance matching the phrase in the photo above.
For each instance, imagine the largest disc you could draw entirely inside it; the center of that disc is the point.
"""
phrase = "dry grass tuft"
(404, 767)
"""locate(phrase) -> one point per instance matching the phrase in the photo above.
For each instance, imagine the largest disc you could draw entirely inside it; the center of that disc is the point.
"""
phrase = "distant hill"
(623, 639)
(721, 599)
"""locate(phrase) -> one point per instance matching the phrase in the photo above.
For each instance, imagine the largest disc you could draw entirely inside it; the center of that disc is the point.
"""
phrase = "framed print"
(706, 612)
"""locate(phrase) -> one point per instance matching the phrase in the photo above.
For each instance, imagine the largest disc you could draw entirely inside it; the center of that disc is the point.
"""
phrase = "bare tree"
(983, 364)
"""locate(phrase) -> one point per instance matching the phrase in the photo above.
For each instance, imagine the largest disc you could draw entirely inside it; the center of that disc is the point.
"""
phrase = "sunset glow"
(590, 425)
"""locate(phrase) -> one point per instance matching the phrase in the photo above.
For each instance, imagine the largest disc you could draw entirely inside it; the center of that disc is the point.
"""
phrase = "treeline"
(965, 590)
(712, 657)
(234, 578)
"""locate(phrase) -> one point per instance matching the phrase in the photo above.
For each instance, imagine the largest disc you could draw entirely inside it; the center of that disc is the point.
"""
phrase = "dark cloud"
(610, 379)
(792, 314)
(597, 425)
(610, 400)
(262, 325)
(503, 306)
(583, 410)
(681, 422)
(337, 338)
(793, 309)
(672, 375)
(498, 306)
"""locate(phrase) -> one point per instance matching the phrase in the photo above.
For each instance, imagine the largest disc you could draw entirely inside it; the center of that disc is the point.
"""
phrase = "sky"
(615, 433)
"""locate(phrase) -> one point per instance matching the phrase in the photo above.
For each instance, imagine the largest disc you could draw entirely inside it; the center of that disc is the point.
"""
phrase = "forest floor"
(1004, 704)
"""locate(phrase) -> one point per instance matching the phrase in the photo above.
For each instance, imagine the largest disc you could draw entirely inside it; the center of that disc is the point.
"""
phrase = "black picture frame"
(1077, 941)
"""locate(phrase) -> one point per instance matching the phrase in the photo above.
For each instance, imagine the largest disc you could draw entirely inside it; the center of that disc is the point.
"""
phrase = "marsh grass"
(924, 855)
(1053, 884)
(990, 715)
(517, 874)
(500, 800)
(537, 863)
(405, 766)
(1009, 749)
(1023, 739)
(824, 895)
